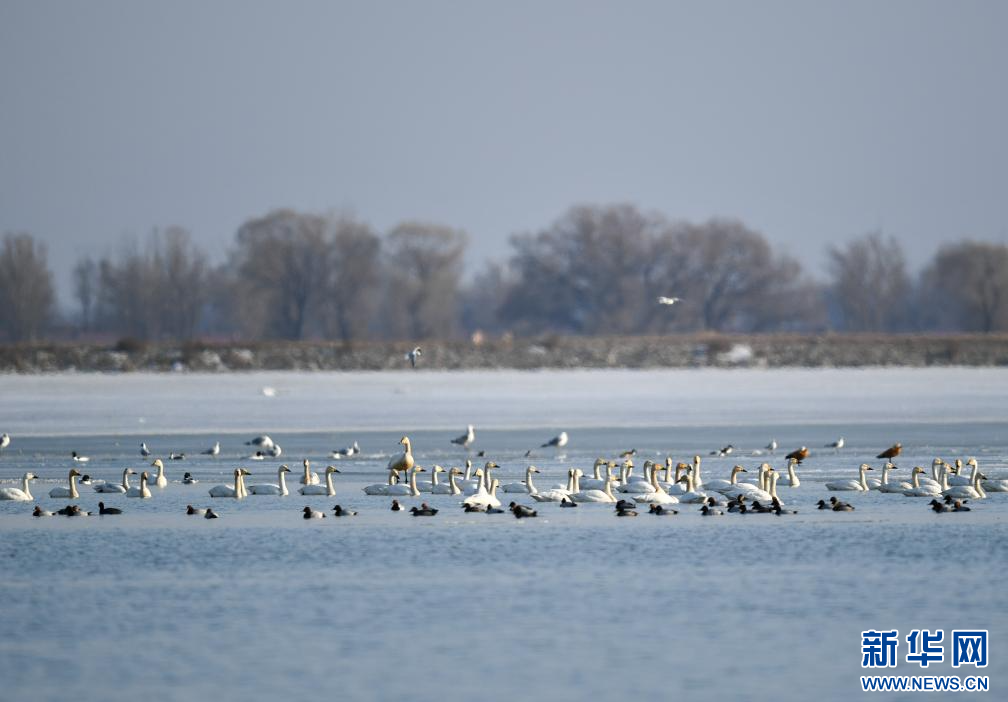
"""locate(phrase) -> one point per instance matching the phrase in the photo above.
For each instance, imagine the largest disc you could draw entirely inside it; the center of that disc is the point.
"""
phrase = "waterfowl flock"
(664, 487)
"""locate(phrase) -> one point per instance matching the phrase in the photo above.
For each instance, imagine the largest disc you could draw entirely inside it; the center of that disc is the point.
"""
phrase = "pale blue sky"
(811, 121)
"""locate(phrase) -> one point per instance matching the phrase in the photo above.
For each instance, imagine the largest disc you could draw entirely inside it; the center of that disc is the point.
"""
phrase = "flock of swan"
(613, 481)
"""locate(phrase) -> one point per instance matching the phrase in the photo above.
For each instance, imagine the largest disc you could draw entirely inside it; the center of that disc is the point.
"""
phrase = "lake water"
(261, 604)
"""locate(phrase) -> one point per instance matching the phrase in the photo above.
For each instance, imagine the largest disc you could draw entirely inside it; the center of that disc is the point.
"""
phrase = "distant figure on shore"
(466, 439)
(413, 355)
(662, 300)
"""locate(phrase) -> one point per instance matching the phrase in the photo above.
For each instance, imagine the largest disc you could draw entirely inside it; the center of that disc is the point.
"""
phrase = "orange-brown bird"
(798, 454)
(891, 452)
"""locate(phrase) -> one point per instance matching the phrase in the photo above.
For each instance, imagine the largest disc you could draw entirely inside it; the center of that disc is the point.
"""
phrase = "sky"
(813, 122)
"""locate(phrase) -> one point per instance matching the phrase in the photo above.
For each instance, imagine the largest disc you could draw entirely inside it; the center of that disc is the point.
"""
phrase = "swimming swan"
(720, 484)
(160, 480)
(237, 492)
(266, 489)
(142, 491)
(326, 489)
(886, 486)
(526, 487)
(860, 484)
(113, 487)
(604, 495)
(556, 494)
(68, 492)
(430, 485)
(484, 498)
(381, 488)
(657, 495)
(22, 494)
(452, 487)
(919, 489)
(309, 478)
(410, 489)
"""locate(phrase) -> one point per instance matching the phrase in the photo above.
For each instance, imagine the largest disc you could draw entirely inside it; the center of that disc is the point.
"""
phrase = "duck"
(779, 509)
(280, 488)
(144, 451)
(22, 494)
(492, 510)
(466, 440)
(839, 506)
(210, 514)
(66, 511)
(103, 510)
(958, 506)
(410, 488)
(891, 452)
(799, 454)
(485, 497)
(213, 450)
(328, 489)
(521, 511)
(396, 507)
(310, 513)
(822, 505)
(194, 512)
(919, 488)
(424, 510)
(79, 458)
(526, 486)
(474, 508)
(661, 510)
(351, 450)
(452, 487)
(860, 485)
(67, 492)
(938, 506)
(567, 502)
(76, 511)
(188, 479)
(237, 492)
(338, 511)
(39, 512)
(143, 491)
(710, 511)
(160, 480)
(626, 513)
(176, 456)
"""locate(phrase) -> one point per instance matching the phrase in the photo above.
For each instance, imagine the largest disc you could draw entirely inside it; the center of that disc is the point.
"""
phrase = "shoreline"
(569, 352)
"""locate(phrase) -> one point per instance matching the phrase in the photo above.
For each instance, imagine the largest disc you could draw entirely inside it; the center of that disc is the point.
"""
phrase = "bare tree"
(354, 278)
(425, 268)
(869, 284)
(966, 286)
(26, 289)
(281, 261)
(182, 277)
(86, 283)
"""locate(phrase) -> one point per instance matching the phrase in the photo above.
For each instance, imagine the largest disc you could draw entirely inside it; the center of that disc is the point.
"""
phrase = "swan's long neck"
(695, 474)
(916, 480)
(468, 473)
(734, 476)
(529, 487)
(577, 482)
(944, 481)
(307, 473)
(125, 481)
(976, 483)
(330, 490)
(160, 471)
(238, 484)
(24, 486)
(434, 479)
(864, 479)
(668, 470)
(282, 481)
(773, 485)
(792, 476)
(607, 488)
(452, 484)
(412, 483)
(597, 469)
(73, 487)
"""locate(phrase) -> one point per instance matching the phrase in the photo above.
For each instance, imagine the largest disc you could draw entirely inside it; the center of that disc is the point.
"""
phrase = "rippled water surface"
(261, 604)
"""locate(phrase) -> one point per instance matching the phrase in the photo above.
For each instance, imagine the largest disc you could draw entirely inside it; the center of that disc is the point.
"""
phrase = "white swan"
(484, 498)
(556, 494)
(326, 489)
(526, 487)
(691, 494)
(991, 485)
(266, 489)
(381, 488)
(860, 485)
(483, 478)
(237, 492)
(69, 492)
(597, 482)
(957, 478)
(657, 495)
(22, 494)
(886, 486)
(452, 487)
(308, 477)
(604, 495)
(113, 487)
(792, 475)
(160, 481)
(430, 485)
(920, 489)
(759, 492)
(720, 484)
(143, 491)
(974, 491)
(402, 462)
(630, 484)
(410, 489)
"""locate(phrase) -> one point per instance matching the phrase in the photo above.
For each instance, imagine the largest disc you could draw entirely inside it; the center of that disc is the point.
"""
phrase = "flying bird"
(891, 452)
(662, 300)
(798, 454)
(466, 439)
(413, 355)
(559, 441)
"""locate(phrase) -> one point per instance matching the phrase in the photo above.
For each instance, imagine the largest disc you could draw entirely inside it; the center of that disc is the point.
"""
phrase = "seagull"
(559, 441)
(466, 439)
(836, 445)
(351, 450)
(662, 300)
(144, 451)
(4, 440)
(798, 454)
(213, 450)
(413, 355)
(262, 441)
(772, 446)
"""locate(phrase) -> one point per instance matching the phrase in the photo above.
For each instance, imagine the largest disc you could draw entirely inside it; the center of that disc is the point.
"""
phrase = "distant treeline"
(598, 270)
